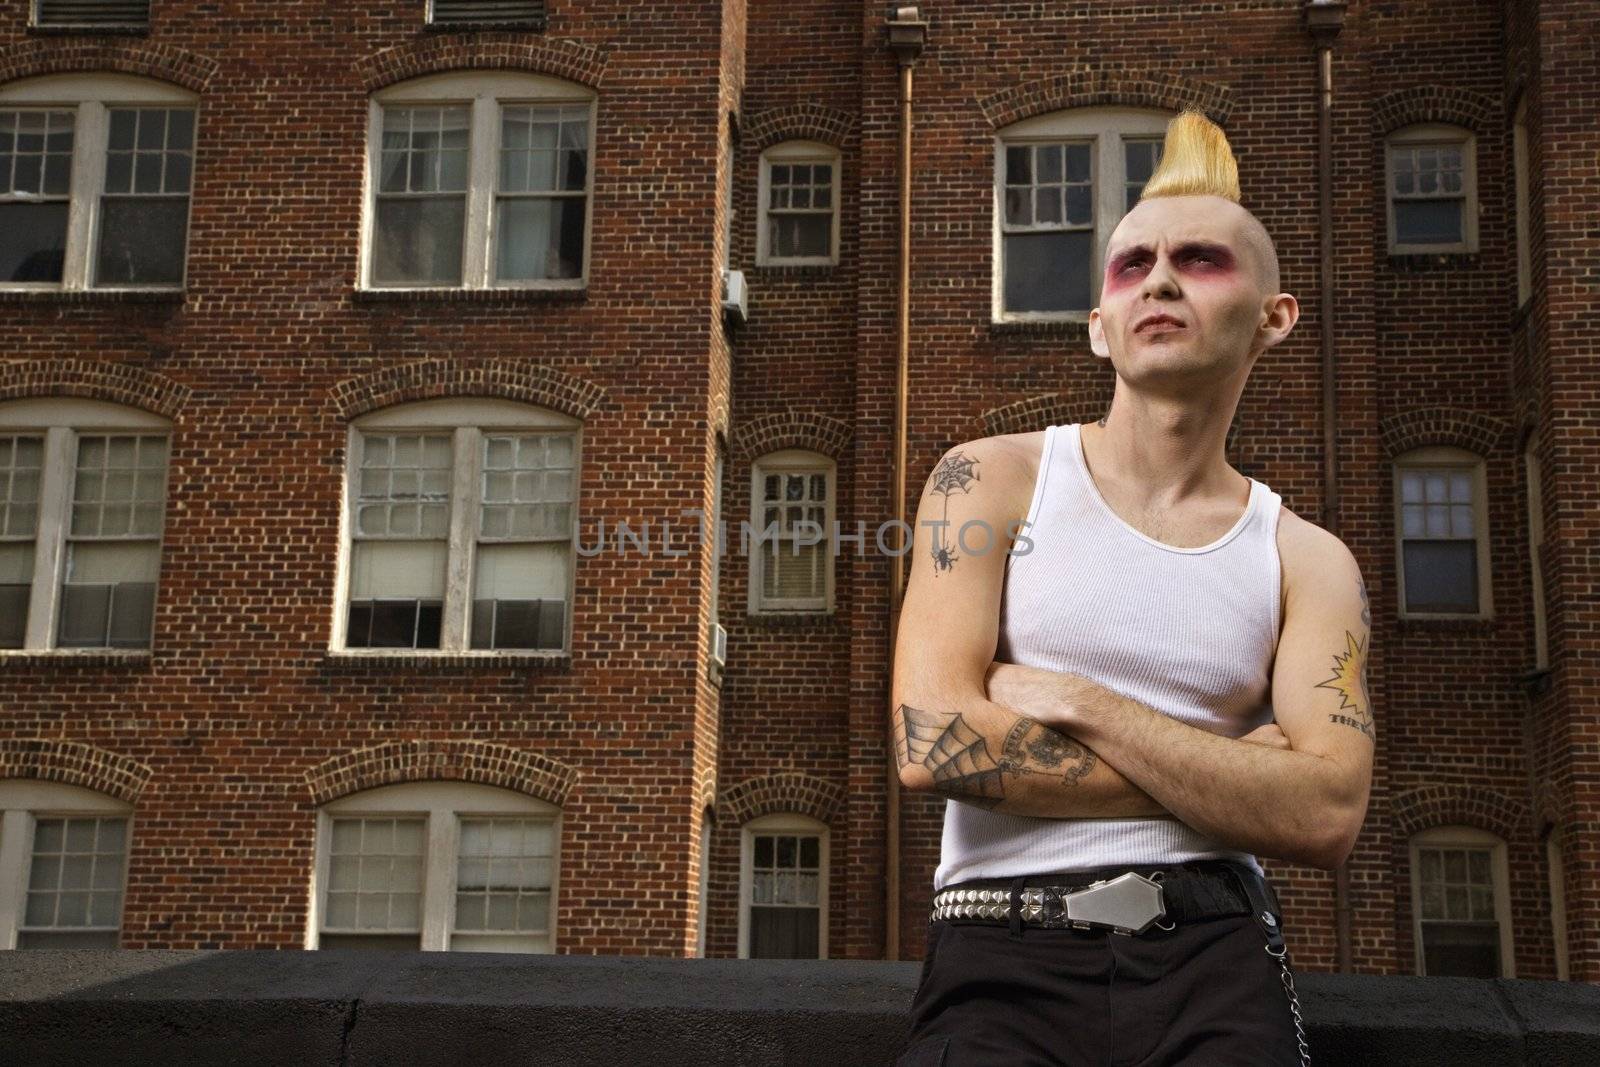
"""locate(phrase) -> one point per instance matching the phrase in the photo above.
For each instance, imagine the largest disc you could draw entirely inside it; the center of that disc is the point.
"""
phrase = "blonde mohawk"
(1195, 161)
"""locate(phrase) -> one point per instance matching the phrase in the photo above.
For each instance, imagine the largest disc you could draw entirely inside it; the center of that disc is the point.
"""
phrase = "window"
(1432, 183)
(1554, 847)
(462, 517)
(1442, 536)
(1519, 155)
(799, 198)
(1535, 494)
(479, 180)
(436, 866)
(63, 865)
(476, 14)
(92, 14)
(791, 565)
(1062, 182)
(1460, 904)
(95, 174)
(783, 889)
(83, 489)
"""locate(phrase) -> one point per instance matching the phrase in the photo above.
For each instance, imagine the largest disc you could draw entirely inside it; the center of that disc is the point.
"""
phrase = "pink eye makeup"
(1200, 258)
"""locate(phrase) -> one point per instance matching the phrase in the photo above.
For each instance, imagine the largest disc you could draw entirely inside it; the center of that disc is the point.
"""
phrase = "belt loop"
(1255, 890)
(1016, 908)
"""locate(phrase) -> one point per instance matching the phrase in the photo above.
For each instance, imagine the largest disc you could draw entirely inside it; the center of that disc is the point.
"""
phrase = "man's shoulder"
(1006, 463)
(1308, 551)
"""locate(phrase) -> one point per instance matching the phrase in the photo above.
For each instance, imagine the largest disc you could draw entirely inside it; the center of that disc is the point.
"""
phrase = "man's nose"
(1160, 280)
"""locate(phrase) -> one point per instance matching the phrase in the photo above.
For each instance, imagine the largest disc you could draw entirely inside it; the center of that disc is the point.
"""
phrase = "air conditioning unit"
(735, 295)
(719, 646)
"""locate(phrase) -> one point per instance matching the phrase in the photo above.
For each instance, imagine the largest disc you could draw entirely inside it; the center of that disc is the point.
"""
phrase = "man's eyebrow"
(1120, 256)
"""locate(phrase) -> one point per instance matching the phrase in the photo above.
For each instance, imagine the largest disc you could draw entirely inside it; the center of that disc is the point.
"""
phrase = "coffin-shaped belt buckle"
(1128, 903)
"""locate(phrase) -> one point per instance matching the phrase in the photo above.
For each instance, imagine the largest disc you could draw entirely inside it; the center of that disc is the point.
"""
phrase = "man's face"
(1193, 259)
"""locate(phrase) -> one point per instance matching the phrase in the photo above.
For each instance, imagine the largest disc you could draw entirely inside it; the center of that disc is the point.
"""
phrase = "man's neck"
(1161, 453)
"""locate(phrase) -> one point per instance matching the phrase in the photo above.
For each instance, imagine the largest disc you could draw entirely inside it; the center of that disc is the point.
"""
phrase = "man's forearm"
(989, 755)
(1272, 802)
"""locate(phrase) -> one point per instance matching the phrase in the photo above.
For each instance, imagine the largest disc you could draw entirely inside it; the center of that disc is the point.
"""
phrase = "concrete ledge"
(337, 1008)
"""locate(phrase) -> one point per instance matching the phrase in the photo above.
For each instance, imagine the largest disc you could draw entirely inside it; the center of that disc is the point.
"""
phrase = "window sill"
(434, 660)
(89, 31)
(77, 657)
(797, 270)
(1416, 262)
(92, 296)
(564, 295)
(1447, 623)
(1075, 329)
(813, 621)
(538, 25)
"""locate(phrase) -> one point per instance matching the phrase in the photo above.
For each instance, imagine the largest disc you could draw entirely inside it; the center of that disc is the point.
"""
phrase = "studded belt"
(1127, 903)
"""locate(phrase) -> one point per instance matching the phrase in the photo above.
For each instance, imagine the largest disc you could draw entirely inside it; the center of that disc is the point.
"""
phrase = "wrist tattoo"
(958, 756)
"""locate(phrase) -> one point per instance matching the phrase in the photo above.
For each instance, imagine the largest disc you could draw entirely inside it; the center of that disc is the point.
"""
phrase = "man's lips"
(1165, 321)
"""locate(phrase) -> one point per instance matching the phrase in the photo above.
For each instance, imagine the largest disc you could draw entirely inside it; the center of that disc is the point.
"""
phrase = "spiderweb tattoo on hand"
(955, 472)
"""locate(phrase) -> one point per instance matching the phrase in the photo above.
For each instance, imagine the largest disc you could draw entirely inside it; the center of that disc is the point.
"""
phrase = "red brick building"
(340, 338)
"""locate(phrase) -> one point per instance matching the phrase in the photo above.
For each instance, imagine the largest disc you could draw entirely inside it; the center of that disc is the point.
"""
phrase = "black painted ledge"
(353, 1008)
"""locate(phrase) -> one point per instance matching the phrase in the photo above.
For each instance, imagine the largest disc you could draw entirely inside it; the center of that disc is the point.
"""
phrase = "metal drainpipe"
(907, 33)
(1324, 20)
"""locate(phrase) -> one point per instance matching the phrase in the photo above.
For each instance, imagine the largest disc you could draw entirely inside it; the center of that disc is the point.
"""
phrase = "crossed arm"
(1053, 744)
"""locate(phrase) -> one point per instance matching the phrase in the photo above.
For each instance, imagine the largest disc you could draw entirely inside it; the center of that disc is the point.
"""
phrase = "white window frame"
(441, 805)
(1438, 134)
(59, 420)
(1106, 128)
(796, 152)
(90, 97)
(1555, 858)
(781, 823)
(1464, 837)
(1446, 456)
(789, 461)
(22, 802)
(703, 889)
(1519, 165)
(1535, 497)
(484, 93)
(468, 419)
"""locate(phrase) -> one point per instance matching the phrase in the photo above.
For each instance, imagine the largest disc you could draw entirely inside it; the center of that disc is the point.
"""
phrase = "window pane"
(75, 878)
(385, 857)
(519, 596)
(793, 236)
(33, 241)
(108, 596)
(1441, 576)
(784, 933)
(1427, 221)
(503, 875)
(1047, 271)
(417, 241)
(1466, 950)
(142, 241)
(538, 238)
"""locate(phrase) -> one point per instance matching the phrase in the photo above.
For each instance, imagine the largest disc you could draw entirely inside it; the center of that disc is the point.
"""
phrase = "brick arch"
(532, 383)
(1037, 412)
(1441, 425)
(791, 429)
(465, 761)
(116, 383)
(787, 791)
(1467, 805)
(1088, 85)
(73, 763)
(435, 54)
(1434, 103)
(799, 122)
(73, 55)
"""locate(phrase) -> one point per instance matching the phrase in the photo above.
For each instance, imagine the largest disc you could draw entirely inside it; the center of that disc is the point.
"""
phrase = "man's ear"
(1281, 313)
(1097, 334)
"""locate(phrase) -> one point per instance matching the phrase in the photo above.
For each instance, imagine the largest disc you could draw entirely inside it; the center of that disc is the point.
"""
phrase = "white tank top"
(1190, 632)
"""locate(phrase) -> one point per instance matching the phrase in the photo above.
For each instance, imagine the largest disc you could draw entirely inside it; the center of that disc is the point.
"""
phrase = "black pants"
(1206, 992)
